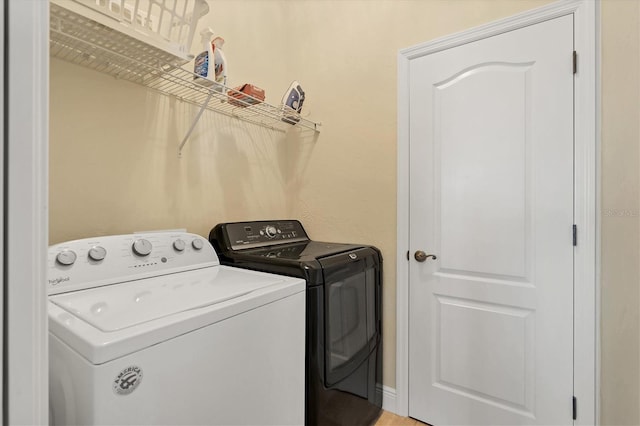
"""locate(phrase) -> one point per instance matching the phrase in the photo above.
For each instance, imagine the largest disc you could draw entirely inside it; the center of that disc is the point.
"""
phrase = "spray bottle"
(203, 67)
(210, 66)
(220, 63)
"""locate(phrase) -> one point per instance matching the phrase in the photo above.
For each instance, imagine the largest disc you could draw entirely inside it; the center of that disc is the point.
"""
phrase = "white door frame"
(26, 216)
(3, 83)
(587, 198)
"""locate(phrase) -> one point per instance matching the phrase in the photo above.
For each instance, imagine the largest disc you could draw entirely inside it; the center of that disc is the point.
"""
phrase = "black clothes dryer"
(343, 325)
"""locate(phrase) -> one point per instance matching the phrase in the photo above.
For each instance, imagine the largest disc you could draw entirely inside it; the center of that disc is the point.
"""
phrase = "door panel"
(499, 373)
(491, 187)
(476, 237)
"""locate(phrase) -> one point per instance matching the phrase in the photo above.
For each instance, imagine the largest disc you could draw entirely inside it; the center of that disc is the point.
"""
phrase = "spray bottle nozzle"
(206, 34)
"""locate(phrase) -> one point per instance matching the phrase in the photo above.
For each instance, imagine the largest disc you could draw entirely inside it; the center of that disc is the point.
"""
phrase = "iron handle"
(421, 256)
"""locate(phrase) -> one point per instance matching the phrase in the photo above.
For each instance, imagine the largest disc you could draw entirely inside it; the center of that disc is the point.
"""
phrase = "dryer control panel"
(244, 235)
(93, 262)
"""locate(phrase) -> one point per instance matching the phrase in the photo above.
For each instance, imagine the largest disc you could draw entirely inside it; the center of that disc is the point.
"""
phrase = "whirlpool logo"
(58, 280)
(127, 380)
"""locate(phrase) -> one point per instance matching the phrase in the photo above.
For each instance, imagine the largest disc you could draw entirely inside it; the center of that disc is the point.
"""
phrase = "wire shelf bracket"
(193, 125)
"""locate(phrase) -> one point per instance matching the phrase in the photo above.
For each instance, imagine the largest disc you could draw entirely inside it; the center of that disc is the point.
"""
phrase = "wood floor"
(390, 419)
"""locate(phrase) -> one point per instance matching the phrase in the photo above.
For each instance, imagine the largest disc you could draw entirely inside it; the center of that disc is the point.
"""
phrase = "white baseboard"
(388, 398)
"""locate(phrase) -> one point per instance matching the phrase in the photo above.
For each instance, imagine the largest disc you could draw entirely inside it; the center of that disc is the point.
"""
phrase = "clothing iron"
(293, 99)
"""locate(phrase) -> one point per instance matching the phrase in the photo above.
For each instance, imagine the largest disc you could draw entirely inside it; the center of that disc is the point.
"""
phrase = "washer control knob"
(97, 253)
(179, 245)
(142, 247)
(197, 244)
(66, 257)
(271, 231)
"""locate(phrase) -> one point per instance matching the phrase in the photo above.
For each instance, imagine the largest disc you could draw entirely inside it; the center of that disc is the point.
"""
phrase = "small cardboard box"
(245, 95)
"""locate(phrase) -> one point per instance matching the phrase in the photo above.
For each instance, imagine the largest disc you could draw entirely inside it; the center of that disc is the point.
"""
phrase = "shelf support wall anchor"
(195, 121)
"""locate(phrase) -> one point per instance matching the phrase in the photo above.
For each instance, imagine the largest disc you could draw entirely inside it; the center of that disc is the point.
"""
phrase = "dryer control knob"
(197, 244)
(142, 247)
(97, 253)
(66, 257)
(271, 231)
(179, 245)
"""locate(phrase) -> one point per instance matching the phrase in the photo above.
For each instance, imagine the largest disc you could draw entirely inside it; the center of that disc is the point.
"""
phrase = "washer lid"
(117, 307)
(150, 311)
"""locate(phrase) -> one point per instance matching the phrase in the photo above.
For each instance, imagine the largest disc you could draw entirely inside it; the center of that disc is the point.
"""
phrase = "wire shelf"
(82, 41)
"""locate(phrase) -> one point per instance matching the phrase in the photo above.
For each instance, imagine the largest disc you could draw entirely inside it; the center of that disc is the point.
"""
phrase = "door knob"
(421, 256)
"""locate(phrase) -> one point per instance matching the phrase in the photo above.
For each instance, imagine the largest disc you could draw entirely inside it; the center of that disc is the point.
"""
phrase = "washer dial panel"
(99, 261)
(264, 233)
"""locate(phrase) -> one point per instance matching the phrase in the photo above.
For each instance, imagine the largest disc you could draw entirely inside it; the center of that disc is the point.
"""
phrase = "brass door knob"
(421, 256)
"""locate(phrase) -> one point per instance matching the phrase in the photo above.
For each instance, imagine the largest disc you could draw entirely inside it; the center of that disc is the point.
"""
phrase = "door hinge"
(407, 255)
(575, 235)
(575, 62)
(575, 408)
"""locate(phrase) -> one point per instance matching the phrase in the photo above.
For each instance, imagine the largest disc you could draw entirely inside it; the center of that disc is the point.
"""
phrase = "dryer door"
(351, 311)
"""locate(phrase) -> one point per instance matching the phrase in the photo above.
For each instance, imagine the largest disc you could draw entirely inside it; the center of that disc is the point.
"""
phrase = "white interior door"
(491, 195)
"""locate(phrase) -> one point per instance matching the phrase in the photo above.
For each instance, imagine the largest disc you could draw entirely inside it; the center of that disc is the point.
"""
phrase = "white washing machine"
(150, 329)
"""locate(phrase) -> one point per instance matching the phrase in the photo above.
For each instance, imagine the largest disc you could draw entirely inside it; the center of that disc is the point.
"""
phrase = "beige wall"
(114, 164)
(114, 167)
(621, 214)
